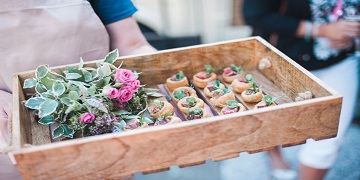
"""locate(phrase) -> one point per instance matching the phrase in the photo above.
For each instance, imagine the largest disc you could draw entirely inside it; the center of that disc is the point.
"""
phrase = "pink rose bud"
(124, 76)
(135, 85)
(133, 124)
(115, 119)
(125, 93)
(87, 118)
(110, 92)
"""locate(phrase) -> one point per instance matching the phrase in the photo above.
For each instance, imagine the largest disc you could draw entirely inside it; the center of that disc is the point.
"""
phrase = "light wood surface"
(188, 143)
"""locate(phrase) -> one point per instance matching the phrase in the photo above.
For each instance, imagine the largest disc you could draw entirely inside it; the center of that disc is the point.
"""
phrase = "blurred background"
(172, 23)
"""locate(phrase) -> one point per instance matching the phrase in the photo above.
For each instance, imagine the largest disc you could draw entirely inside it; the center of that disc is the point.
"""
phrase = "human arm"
(122, 28)
(126, 36)
(5, 109)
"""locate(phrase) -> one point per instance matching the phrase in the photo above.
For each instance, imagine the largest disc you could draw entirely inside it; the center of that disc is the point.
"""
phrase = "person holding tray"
(315, 35)
(56, 33)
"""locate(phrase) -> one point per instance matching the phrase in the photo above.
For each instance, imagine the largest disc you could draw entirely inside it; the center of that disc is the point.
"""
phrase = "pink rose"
(135, 85)
(110, 92)
(124, 76)
(115, 119)
(87, 118)
(125, 93)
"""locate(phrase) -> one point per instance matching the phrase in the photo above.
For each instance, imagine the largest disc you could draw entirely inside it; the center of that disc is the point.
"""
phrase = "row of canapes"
(240, 83)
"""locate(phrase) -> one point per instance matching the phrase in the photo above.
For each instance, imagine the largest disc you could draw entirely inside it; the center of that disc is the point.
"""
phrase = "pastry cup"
(239, 87)
(230, 79)
(205, 114)
(221, 101)
(187, 89)
(262, 104)
(172, 85)
(173, 120)
(209, 93)
(255, 97)
(167, 108)
(199, 104)
(201, 83)
(240, 109)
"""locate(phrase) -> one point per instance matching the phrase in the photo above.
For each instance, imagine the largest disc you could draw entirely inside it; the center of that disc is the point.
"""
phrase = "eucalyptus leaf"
(73, 95)
(155, 94)
(105, 69)
(67, 132)
(47, 107)
(87, 75)
(59, 131)
(40, 88)
(73, 76)
(81, 63)
(46, 120)
(58, 88)
(41, 71)
(35, 102)
(66, 101)
(151, 90)
(29, 83)
(112, 56)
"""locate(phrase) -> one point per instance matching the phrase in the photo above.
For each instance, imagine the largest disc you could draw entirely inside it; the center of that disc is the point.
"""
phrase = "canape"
(240, 84)
(190, 103)
(232, 72)
(160, 108)
(177, 80)
(212, 86)
(167, 119)
(197, 113)
(182, 92)
(253, 94)
(220, 97)
(267, 101)
(200, 79)
(232, 107)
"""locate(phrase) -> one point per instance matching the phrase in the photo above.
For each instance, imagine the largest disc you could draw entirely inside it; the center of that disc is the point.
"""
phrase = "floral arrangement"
(87, 101)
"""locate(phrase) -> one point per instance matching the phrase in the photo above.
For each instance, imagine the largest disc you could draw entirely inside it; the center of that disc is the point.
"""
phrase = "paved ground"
(256, 166)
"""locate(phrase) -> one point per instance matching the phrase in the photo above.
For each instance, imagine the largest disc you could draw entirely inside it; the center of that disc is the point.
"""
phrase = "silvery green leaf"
(87, 75)
(48, 95)
(112, 56)
(57, 132)
(41, 71)
(136, 75)
(155, 94)
(147, 120)
(122, 112)
(151, 90)
(56, 79)
(58, 88)
(47, 81)
(112, 67)
(29, 83)
(83, 90)
(117, 85)
(132, 117)
(105, 69)
(70, 108)
(73, 76)
(46, 120)
(47, 107)
(103, 109)
(120, 124)
(89, 68)
(34, 103)
(79, 83)
(66, 101)
(91, 90)
(73, 95)
(93, 103)
(68, 132)
(81, 63)
(99, 72)
(40, 88)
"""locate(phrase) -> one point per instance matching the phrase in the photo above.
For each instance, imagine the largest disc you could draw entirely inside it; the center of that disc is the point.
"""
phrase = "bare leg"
(309, 173)
(276, 159)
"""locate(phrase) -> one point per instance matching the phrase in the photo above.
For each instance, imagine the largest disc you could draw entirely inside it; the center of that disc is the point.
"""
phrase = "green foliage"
(179, 76)
(237, 69)
(191, 101)
(157, 103)
(179, 93)
(209, 69)
(232, 103)
(269, 99)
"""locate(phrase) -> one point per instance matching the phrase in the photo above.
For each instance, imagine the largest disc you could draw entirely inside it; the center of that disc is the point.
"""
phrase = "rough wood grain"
(155, 148)
(120, 155)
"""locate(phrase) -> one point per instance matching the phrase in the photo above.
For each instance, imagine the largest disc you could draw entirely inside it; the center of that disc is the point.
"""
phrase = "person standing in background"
(56, 33)
(314, 34)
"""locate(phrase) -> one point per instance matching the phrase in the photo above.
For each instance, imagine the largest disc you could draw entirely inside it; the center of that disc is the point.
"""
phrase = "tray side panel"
(292, 79)
(216, 138)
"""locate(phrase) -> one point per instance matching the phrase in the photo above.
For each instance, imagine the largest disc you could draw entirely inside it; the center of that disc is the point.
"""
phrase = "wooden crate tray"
(119, 155)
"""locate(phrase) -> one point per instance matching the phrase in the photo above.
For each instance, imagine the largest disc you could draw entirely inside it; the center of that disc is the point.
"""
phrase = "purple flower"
(119, 104)
(125, 93)
(124, 76)
(87, 118)
(110, 92)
